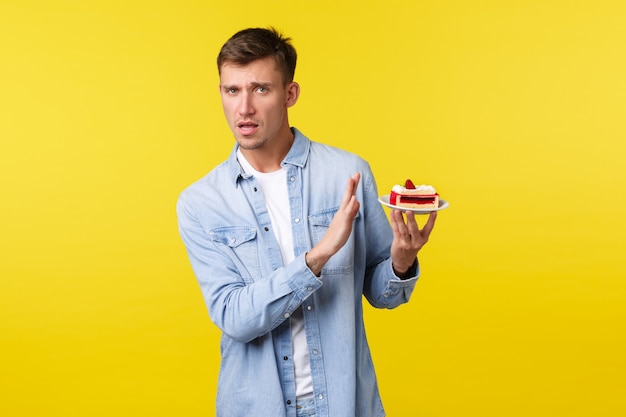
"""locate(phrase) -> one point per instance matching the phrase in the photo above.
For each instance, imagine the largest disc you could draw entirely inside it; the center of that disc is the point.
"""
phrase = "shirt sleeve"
(382, 288)
(243, 307)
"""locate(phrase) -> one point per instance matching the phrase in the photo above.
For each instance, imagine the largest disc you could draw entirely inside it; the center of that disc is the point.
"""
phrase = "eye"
(262, 89)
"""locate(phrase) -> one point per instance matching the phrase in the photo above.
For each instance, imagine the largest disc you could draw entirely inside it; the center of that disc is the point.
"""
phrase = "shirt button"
(266, 228)
(297, 220)
(321, 397)
(288, 402)
(292, 179)
(309, 288)
(286, 358)
(315, 351)
(309, 308)
(286, 315)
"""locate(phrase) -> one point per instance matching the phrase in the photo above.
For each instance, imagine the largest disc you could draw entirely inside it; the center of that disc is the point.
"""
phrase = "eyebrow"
(253, 84)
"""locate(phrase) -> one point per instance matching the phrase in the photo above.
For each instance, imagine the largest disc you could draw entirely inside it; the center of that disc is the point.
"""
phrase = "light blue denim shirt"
(250, 294)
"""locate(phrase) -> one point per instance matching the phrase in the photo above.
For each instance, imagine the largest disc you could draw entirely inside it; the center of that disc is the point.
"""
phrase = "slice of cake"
(410, 196)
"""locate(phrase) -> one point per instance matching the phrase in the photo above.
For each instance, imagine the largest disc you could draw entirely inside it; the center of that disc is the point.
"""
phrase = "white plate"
(384, 200)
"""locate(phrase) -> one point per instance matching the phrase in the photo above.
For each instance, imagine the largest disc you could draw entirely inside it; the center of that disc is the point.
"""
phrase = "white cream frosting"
(423, 189)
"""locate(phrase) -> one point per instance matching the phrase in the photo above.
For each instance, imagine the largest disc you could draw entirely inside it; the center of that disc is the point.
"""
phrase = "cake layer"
(414, 201)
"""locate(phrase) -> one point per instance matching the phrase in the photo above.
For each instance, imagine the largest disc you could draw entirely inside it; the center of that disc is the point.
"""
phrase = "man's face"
(255, 102)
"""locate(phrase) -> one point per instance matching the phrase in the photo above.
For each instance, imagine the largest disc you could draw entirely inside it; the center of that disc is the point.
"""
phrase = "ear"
(293, 92)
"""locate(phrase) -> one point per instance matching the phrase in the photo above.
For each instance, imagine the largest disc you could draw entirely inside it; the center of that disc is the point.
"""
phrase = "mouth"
(247, 127)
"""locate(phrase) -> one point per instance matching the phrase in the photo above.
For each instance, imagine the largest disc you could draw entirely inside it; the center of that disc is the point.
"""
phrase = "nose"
(245, 107)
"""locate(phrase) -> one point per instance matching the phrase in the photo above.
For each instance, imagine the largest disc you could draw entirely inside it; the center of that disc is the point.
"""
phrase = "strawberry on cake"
(410, 196)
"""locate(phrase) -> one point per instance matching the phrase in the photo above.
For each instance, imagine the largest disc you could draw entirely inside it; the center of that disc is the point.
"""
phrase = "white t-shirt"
(274, 188)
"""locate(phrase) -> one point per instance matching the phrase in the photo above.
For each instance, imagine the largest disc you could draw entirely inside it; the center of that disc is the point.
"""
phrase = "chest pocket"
(239, 243)
(341, 262)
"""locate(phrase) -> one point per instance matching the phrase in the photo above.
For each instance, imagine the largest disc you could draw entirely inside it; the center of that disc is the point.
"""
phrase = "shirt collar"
(297, 155)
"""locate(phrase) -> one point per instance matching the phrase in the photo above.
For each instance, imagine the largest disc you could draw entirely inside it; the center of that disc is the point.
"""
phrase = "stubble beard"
(250, 145)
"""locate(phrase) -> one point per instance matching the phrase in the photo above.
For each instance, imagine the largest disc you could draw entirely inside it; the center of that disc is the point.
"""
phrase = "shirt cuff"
(410, 273)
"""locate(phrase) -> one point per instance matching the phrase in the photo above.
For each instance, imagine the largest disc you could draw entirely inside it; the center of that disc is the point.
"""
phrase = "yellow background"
(514, 110)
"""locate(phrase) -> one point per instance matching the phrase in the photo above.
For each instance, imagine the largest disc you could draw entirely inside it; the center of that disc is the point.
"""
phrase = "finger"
(394, 220)
(353, 206)
(350, 190)
(428, 227)
(354, 182)
(411, 223)
(398, 225)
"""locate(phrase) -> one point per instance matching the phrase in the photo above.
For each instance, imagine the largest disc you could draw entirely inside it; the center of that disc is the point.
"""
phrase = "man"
(285, 238)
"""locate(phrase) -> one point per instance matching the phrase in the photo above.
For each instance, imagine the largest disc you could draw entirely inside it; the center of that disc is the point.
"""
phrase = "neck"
(269, 159)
